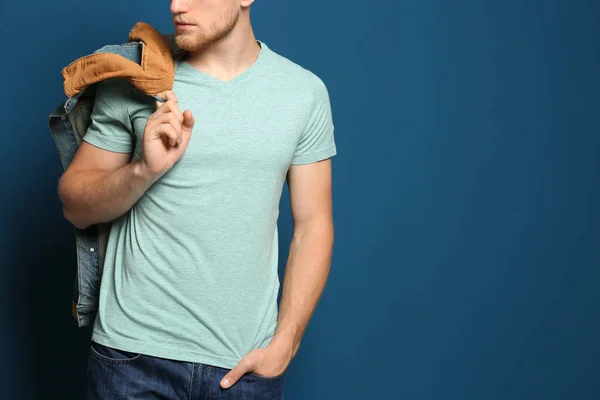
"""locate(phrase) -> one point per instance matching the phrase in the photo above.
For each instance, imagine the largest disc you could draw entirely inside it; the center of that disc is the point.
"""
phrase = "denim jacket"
(68, 123)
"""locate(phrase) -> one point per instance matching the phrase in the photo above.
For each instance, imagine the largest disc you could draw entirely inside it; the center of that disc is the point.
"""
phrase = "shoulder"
(114, 87)
(116, 100)
(119, 93)
(301, 80)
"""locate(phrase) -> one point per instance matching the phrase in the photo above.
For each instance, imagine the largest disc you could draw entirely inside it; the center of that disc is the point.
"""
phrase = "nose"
(179, 6)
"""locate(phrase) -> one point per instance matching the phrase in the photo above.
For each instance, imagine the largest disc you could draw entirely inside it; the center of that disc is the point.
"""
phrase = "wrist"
(285, 340)
(141, 172)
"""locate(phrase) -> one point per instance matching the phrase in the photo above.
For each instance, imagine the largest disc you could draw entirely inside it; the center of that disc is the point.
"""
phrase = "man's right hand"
(166, 136)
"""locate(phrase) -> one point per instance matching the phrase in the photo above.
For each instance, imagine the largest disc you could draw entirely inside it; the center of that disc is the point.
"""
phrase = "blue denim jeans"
(115, 374)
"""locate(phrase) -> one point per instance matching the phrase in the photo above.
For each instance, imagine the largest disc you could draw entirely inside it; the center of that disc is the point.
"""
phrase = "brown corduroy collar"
(154, 75)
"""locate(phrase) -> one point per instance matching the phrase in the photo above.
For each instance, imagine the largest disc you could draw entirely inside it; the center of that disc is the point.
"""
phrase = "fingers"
(188, 120)
(168, 125)
(166, 95)
(169, 107)
(172, 134)
(168, 120)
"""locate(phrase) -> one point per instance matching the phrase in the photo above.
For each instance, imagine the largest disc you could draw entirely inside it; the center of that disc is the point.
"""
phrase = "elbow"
(69, 208)
(320, 227)
(74, 219)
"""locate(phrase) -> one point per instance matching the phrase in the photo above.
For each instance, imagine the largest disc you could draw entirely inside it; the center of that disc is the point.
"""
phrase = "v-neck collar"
(214, 81)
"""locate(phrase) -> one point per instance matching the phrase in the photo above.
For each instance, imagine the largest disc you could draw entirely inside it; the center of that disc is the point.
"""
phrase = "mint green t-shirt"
(190, 271)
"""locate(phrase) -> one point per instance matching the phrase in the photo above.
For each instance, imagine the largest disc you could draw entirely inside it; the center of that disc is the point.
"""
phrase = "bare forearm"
(304, 280)
(91, 197)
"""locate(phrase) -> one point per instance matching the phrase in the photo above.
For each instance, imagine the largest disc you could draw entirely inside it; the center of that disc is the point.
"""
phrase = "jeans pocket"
(112, 355)
(267, 378)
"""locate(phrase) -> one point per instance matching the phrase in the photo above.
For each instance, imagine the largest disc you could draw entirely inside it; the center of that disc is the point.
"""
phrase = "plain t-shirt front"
(190, 272)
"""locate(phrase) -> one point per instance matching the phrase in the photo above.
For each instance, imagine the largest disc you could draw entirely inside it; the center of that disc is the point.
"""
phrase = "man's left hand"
(269, 361)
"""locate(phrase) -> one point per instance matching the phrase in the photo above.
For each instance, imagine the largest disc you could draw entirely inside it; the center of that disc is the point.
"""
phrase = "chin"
(186, 42)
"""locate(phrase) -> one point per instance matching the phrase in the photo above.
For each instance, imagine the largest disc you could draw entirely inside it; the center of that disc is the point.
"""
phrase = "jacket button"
(92, 249)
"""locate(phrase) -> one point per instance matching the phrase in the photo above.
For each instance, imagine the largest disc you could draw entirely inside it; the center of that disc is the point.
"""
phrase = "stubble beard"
(199, 38)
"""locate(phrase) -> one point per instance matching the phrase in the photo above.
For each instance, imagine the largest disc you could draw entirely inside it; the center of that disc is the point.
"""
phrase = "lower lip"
(183, 26)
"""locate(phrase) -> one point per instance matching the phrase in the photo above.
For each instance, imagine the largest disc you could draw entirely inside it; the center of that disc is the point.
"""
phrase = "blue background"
(466, 194)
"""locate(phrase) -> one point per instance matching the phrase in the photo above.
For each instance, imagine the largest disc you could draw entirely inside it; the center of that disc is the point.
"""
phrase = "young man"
(188, 306)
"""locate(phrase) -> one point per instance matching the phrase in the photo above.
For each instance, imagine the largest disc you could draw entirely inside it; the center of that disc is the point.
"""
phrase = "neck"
(230, 55)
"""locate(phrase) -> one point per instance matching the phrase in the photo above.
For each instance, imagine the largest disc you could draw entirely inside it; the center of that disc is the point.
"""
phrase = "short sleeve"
(317, 141)
(110, 127)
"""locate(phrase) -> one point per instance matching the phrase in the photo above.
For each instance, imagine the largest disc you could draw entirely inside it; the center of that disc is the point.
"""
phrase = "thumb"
(188, 120)
(244, 366)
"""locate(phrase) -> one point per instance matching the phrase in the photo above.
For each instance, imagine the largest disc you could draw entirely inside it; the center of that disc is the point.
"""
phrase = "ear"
(246, 3)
